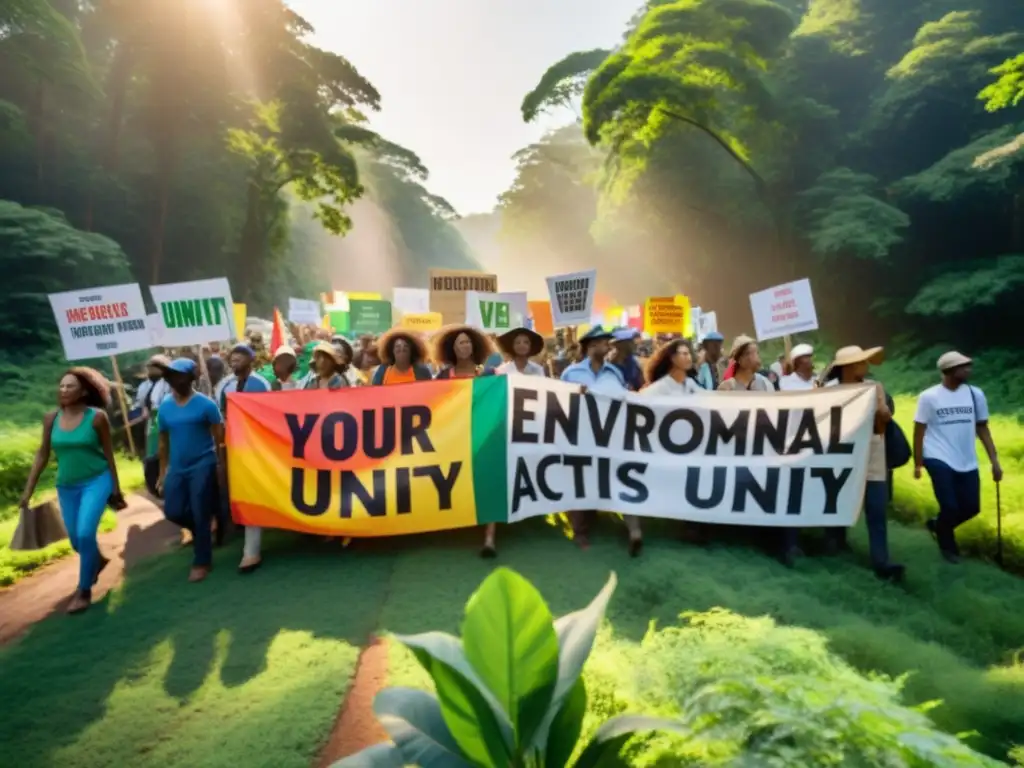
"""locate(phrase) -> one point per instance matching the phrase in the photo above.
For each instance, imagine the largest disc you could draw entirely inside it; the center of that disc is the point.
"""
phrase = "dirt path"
(356, 727)
(141, 532)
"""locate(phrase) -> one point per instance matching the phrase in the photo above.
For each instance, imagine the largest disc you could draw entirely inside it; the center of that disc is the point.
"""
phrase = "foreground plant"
(509, 693)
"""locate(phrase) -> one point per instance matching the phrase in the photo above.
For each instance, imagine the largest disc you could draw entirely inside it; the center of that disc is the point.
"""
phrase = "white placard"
(784, 310)
(572, 297)
(496, 312)
(784, 459)
(411, 301)
(100, 322)
(196, 312)
(708, 324)
(304, 312)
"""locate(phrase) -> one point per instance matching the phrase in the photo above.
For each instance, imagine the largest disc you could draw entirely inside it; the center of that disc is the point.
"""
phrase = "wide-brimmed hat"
(597, 333)
(330, 350)
(739, 344)
(952, 360)
(800, 350)
(853, 355)
(507, 340)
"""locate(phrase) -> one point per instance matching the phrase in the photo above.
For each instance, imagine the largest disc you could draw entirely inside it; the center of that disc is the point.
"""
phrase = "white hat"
(801, 350)
(284, 350)
(952, 360)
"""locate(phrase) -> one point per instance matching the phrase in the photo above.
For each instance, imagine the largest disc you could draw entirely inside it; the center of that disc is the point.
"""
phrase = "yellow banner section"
(423, 321)
(373, 461)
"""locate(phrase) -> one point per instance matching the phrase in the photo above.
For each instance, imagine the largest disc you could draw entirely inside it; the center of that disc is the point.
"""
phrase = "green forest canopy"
(721, 147)
(156, 140)
(729, 145)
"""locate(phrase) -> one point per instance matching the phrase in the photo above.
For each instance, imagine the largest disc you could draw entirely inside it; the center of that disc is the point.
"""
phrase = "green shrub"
(509, 694)
(751, 693)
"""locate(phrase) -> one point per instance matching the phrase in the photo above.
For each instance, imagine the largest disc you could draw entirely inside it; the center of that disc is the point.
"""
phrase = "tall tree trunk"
(250, 244)
(109, 143)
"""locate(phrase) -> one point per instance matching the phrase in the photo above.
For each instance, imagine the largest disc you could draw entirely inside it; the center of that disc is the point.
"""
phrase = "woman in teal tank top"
(78, 434)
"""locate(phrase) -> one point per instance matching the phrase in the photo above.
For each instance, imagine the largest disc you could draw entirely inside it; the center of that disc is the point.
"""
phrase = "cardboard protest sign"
(304, 312)
(414, 301)
(196, 312)
(448, 291)
(100, 322)
(572, 297)
(664, 315)
(496, 312)
(783, 310)
(381, 461)
(540, 313)
(422, 322)
(368, 316)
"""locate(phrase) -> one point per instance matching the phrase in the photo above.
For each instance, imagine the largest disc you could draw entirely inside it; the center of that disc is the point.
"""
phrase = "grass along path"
(252, 671)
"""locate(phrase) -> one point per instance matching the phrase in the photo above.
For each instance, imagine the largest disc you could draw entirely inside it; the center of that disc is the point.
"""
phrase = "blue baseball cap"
(244, 348)
(625, 334)
(714, 336)
(181, 365)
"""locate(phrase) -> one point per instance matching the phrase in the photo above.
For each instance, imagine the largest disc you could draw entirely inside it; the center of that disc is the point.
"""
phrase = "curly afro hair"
(660, 363)
(386, 346)
(444, 344)
(95, 387)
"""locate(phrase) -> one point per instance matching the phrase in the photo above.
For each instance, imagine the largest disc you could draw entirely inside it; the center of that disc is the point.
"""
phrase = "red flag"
(279, 335)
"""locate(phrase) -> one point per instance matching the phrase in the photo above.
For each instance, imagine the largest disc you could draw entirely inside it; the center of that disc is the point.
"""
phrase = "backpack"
(897, 448)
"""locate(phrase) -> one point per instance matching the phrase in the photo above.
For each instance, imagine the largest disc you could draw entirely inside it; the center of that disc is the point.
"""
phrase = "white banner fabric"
(782, 459)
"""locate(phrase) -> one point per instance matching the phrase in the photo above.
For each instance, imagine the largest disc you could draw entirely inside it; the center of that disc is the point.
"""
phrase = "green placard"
(338, 320)
(369, 316)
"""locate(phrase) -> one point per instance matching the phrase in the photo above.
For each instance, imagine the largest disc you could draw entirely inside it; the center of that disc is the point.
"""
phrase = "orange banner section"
(543, 321)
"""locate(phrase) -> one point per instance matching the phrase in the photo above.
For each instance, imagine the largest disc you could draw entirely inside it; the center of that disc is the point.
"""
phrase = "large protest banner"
(449, 454)
(375, 461)
(99, 322)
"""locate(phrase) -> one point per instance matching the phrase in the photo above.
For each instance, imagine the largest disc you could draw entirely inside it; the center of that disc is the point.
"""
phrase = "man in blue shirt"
(625, 357)
(709, 375)
(595, 374)
(191, 430)
(243, 378)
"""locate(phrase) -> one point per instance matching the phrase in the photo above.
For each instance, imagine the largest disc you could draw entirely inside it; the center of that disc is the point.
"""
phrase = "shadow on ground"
(252, 670)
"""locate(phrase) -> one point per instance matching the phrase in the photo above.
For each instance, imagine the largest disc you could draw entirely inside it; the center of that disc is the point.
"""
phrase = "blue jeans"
(191, 500)
(959, 497)
(81, 506)
(876, 500)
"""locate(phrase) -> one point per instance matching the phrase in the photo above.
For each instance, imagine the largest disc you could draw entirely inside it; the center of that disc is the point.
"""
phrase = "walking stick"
(999, 527)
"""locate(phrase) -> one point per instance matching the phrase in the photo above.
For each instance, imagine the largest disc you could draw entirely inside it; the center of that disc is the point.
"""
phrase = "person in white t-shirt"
(949, 417)
(802, 377)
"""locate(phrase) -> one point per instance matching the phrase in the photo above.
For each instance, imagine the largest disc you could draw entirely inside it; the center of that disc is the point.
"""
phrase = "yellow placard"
(421, 321)
(241, 314)
(684, 302)
(664, 315)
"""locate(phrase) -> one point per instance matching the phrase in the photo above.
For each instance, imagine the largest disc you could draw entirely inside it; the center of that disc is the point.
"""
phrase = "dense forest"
(154, 141)
(723, 146)
(728, 145)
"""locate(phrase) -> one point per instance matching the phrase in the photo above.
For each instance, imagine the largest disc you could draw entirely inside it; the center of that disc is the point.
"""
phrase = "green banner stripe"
(490, 443)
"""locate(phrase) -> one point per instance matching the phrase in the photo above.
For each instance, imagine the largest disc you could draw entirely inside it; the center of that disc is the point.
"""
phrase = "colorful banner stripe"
(370, 461)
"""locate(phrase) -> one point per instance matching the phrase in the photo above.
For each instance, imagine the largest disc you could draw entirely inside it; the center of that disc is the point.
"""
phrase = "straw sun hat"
(854, 355)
